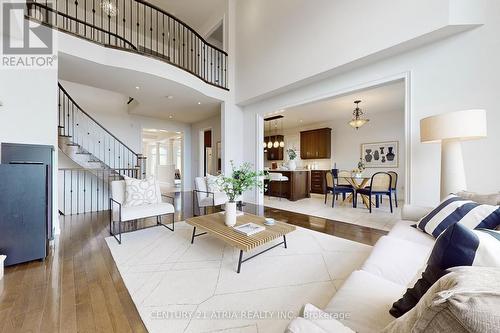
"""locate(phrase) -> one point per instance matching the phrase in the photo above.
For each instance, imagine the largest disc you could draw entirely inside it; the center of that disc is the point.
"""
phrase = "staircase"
(100, 155)
(135, 26)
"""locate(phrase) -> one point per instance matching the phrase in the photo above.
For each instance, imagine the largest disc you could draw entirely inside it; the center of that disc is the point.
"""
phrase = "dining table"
(358, 182)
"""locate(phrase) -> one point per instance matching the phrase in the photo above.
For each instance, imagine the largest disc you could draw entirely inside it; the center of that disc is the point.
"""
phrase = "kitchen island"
(297, 187)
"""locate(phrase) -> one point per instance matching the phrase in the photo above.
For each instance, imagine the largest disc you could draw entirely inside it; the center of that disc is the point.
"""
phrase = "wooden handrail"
(92, 118)
(140, 27)
(47, 8)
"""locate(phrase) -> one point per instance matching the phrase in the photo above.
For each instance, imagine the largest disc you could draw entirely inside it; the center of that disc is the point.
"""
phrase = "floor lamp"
(450, 129)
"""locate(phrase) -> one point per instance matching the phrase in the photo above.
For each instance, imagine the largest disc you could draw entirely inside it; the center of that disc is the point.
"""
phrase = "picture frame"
(380, 154)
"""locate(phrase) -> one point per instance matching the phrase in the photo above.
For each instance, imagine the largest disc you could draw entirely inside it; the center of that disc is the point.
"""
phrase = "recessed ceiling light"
(300, 120)
(199, 103)
(137, 87)
(171, 116)
(170, 97)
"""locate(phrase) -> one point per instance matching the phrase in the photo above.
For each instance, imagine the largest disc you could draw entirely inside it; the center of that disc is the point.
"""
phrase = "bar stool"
(277, 177)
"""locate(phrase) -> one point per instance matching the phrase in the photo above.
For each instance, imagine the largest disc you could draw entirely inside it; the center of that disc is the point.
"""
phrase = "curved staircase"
(101, 157)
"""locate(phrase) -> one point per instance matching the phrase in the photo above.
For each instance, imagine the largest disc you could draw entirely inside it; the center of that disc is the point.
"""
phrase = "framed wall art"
(380, 154)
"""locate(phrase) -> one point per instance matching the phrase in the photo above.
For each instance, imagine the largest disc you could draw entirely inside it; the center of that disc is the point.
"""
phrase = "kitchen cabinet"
(318, 181)
(297, 186)
(316, 144)
(275, 154)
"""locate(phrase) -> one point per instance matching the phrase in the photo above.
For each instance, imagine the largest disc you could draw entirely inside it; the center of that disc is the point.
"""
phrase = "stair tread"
(83, 153)
(73, 144)
(65, 136)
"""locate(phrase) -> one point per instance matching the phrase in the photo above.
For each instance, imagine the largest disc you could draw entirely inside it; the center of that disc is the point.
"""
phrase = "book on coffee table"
(249, 229)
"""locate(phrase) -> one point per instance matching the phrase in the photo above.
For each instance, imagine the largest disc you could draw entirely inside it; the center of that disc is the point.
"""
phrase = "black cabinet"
(20, 154)
(23, 212)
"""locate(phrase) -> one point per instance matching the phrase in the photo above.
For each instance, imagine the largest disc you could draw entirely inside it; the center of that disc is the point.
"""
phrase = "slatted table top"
(214, 225)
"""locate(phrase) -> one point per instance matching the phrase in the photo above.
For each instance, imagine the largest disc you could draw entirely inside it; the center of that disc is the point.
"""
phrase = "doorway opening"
(321, 133)
(163, 151)
(207, 153)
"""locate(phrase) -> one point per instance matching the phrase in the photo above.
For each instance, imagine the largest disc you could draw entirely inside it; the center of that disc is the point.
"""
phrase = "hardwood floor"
(78, 287)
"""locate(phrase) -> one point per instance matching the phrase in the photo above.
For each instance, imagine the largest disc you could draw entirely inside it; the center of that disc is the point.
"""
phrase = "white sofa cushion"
(325, 320)
(404, 230)
(396, 260)
(218, 198)
(139, 212)
(301, 325)
(366, 299)
(139, 192)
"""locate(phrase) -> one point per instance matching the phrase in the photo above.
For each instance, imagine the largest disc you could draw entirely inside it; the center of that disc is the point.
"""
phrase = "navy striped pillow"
(454, 209)
(457, 246)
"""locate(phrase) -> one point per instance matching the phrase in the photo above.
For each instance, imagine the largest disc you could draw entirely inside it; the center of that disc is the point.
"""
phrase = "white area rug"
(179, 287)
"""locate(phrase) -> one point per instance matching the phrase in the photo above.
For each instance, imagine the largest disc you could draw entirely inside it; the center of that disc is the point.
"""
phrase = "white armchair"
(120, 213)
(203, 198)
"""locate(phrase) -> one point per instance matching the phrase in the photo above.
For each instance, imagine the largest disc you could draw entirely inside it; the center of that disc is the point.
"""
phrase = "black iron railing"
(136, 26)
(88, 190)
(91, 138)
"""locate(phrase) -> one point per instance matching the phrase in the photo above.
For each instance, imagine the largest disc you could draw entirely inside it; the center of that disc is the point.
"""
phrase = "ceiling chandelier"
(109, 8)
(357, 121)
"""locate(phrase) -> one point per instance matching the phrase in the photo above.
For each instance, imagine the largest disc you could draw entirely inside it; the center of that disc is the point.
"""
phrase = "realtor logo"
(26, 43)
(23, 36)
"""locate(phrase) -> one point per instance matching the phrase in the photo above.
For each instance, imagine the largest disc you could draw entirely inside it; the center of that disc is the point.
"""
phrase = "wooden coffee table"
(213, 224)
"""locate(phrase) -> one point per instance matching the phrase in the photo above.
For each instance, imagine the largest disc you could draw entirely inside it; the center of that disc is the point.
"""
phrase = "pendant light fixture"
(282, 142)
(276, 143)
(357, 121)
(270, 142)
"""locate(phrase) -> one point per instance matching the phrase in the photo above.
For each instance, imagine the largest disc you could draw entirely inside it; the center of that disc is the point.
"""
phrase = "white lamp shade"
(458, 125)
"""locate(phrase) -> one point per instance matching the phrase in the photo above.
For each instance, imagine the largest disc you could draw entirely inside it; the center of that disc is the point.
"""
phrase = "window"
(163, 152)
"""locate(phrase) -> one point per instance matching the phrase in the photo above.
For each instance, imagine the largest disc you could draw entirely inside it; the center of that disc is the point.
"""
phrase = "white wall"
(29, 111)
(127, 127)
(281, 42)
(459, 72)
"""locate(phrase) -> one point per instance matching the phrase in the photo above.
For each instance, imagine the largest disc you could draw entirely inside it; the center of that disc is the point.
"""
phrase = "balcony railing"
(135, 26)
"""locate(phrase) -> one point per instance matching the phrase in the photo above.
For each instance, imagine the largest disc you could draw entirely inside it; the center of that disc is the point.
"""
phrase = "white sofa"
(121, 213)
(364, 299)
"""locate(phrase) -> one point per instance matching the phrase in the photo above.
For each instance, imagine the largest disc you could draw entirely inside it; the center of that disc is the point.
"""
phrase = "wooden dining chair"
(381, 184)
(342, 176)
(394, 186)
(335, 189)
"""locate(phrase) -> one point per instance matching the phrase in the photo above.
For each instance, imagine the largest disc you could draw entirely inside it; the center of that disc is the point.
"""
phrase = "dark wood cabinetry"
(274, 154)
(297, 186)
(318, 181)
(316, 144)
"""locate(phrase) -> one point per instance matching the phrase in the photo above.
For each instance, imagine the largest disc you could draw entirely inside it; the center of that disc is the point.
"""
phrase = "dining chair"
(342, 176)
(276, 177)
(380, 184)
(394, 186)
(333, 187)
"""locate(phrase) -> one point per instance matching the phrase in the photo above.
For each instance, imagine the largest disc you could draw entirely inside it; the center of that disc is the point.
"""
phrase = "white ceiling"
(154, 135)
(151, 97)
(195, 13)
(389, 97)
